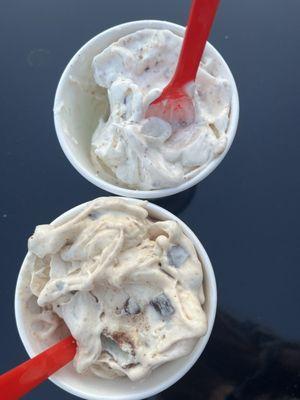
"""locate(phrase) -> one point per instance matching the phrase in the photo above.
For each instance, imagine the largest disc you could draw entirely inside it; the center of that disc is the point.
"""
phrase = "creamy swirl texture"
(128, 288)
(136, 152)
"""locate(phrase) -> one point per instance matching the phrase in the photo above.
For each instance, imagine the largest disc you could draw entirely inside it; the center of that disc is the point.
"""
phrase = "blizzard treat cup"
(101, 104)
(128, 281)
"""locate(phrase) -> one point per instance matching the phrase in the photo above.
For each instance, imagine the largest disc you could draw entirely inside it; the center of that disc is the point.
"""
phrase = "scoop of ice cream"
(128, 288)
(144, 153)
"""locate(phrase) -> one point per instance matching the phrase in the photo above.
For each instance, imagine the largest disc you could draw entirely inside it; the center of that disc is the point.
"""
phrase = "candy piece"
(177, 256)
(122, 357)
(163, 305)
(131, 307)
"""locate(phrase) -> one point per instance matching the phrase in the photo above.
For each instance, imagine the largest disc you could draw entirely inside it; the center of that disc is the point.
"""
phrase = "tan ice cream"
(132, 151)
(129, 288)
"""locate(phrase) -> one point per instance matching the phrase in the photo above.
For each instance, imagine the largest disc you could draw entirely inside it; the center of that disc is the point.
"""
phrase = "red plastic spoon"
(174, 104)
(22, 379)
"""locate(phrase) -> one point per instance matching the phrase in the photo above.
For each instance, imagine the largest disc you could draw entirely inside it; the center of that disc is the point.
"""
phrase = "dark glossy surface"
(246, 213)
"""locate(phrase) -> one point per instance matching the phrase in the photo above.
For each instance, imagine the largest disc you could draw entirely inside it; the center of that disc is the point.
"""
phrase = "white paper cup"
(76, 122)
(94, 388)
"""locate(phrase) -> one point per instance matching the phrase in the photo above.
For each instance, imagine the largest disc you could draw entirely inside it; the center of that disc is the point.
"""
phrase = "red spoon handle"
(197, 31)
(22, 379)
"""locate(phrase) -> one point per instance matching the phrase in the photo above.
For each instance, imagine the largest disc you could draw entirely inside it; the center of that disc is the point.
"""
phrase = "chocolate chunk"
(177, 256)
(132, 365)
(115, 346)
(163, 305)
(131, 307)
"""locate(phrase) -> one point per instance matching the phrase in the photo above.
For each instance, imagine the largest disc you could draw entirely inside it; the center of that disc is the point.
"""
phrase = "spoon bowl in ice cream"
(176, 107)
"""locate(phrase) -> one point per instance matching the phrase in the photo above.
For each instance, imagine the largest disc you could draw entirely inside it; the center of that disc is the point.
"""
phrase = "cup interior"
(79, 104)
(93, 388)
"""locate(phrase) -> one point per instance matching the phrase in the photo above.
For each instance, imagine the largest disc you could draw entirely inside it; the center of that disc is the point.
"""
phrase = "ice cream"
(135, 152)
(128, 288)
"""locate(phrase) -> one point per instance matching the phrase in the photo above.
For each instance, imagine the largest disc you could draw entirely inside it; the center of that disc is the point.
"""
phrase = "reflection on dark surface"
(242, 361)
(178, 202)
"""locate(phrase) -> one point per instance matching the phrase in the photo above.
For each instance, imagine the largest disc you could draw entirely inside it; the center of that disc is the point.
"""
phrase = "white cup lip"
(211, 294)
(157, 193)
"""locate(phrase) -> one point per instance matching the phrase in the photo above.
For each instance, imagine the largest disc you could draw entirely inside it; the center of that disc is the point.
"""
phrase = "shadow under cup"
(94, 388)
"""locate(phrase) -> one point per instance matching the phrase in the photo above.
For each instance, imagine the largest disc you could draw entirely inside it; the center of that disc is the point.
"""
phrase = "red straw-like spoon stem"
(22, 379)
(201, 18)
(175, 104)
